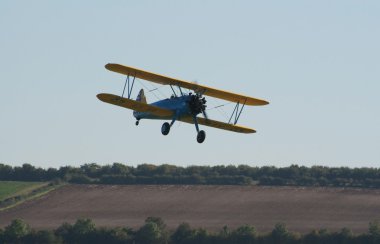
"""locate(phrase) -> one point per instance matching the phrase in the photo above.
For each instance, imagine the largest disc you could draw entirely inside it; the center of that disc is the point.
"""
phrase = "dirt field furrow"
(210, 207)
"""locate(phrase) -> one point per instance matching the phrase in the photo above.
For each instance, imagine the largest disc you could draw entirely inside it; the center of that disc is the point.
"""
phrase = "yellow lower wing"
(143, 107)
(134, 105)
(219, 125)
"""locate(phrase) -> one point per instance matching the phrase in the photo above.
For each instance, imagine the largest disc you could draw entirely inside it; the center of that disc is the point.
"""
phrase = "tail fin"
(141, 97)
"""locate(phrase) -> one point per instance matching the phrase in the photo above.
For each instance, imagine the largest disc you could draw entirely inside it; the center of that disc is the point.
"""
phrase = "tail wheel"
(165, 128)
(201, 136)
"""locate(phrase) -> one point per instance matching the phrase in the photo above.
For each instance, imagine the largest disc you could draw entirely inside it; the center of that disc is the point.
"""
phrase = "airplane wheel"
(165, 128)
(201, 136)
(137, 122)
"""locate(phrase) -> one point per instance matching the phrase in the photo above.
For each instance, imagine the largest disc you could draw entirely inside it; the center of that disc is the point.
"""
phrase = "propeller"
(197, 104)
(205, 114)
(204, 108)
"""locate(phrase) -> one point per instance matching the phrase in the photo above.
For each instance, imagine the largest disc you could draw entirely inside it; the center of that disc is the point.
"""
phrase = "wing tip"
(248, 131)
(255, 102)
(109, 66)
(262, 103)
(102, 96)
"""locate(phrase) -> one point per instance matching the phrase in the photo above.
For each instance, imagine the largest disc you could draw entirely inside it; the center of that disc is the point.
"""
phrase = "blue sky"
(317, 63)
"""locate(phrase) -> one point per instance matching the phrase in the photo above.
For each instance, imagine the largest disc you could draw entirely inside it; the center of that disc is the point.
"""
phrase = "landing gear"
(137, 122)
(165, 128)
(201, 136)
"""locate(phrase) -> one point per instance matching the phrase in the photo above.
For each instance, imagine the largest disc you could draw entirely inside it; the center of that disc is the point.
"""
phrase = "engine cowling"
(197, 104)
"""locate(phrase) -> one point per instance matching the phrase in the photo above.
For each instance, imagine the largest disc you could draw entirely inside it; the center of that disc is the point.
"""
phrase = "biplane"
(181, 106)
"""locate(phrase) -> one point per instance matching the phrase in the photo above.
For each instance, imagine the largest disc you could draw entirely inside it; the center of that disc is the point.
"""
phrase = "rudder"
(141, 97)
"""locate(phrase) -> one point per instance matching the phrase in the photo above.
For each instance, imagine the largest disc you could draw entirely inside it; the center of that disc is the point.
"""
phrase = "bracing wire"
(153, 90)
(220, 109)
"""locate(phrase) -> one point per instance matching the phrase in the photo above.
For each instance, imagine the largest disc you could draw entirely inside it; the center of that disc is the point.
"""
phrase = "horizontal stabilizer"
(134, 105)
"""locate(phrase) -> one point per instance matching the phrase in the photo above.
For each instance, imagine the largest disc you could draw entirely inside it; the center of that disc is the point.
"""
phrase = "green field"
(14, 188)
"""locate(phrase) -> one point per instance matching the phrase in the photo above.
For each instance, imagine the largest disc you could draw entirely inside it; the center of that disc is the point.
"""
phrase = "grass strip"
(23, 196)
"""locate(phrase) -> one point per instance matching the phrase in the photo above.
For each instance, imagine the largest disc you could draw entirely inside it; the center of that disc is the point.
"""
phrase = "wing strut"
(175, 94)
(179, 88)
(237, 112)
(130, 86)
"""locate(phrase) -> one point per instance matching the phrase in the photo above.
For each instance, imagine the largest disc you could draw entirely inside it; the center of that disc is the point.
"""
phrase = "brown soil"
(212, 207)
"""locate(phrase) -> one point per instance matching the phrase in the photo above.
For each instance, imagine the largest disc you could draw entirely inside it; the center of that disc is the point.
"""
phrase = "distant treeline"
(117, 173)
(154, 231)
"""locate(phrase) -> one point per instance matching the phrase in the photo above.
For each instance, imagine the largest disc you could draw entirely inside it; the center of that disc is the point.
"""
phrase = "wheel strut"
(201, 135)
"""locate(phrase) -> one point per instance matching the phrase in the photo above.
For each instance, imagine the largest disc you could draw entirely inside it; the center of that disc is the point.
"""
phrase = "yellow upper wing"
(219, 125)
(229, 96)
(134, 105)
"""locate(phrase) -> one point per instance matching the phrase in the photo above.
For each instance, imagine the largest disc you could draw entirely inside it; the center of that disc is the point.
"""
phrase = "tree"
(42, 237)
(112, 235)
(65, 232)
(154, 231)
(83, 227)
(201, 236)
(83, 231)
(91, 170)
(317, 236)
(183, 234)
(280, 234)
(150, 233)
(344, 236)
(374, 228)
(6, 172)
(1, 235)
(119, 169)
(16, 230)
(374, 231)
(225, 231)
(160, 223)
(145, 170)
(244, 234)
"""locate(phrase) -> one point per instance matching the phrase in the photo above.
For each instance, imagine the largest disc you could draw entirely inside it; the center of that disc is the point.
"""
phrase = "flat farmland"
(212, 207)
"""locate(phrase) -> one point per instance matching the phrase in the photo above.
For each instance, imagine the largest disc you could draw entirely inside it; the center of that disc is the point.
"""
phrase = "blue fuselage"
(179, 105)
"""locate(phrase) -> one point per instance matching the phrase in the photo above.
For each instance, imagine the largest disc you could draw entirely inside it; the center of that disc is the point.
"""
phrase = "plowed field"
(210, 207)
